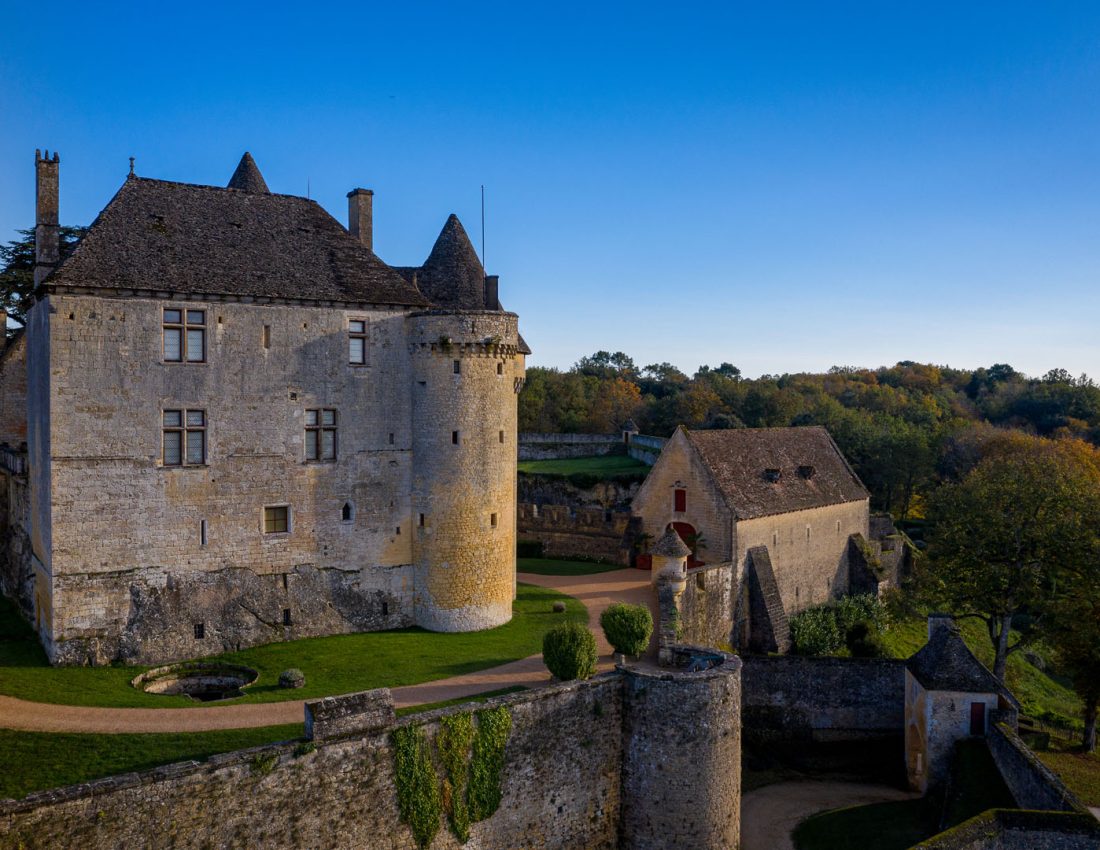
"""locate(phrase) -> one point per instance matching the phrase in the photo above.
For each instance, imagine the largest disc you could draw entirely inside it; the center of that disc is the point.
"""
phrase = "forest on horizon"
(904, 428)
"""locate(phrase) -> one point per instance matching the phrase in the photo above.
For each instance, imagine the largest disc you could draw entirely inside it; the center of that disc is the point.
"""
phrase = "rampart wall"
(1009, 829)
(585, 532)
(535, 446)
(1032, 784)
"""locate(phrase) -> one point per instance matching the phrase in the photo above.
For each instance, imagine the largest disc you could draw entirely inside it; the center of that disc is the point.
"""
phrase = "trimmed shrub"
(292, 678)
(814, 632)
(856, 609)
(864, 640)
(569, 651)
(627, 627)
(559, 607)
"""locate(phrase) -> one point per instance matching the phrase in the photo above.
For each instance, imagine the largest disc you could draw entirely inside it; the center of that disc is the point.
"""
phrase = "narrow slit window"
(200, 631)
(457, 367)
(500, 368)
(276, 519)
(454, 437)
(391, 439)
(286, 617)
(202, 532)
(345, 512)
(184, 334)
(184, 438)
(267, 336)
(422, 522)
(493, 520)
(502, 436)
(321, 434)
(357, 342)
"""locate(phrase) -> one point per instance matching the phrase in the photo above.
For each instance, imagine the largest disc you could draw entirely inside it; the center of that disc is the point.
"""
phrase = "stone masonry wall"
(585, 532)
(535, 446)
(707, 606)
(561, 787)
(466, 373)
(682, 759)
(1010, 829)
(1033, 785)
(823, 699)
(17, 574)
(13, 392)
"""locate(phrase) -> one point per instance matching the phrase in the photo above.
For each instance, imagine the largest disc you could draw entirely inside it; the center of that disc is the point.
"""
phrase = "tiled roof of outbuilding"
(204, 240)
(743, 463)
(946, 663)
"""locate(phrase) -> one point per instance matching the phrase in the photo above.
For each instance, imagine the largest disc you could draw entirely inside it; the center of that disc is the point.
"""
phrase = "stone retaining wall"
(1009, 829)
(584, 532)
(1033, 785)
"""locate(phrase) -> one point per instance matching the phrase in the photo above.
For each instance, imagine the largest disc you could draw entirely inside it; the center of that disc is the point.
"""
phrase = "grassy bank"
(554, 567)
(332, 665)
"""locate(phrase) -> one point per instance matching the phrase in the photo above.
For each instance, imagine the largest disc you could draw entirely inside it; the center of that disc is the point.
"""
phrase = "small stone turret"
(47, 229)
(670, 555)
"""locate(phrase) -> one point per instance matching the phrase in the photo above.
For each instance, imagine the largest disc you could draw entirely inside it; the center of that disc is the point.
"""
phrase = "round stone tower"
(466, 373)
(682, 753)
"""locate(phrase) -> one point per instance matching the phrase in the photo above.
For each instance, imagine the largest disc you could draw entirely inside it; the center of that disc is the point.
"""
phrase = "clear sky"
(784, 186)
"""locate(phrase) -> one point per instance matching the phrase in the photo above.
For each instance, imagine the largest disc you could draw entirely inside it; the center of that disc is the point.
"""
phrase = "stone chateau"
(243, 426)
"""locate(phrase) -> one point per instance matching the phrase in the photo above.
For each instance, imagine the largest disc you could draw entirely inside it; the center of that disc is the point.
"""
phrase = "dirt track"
(596, 592)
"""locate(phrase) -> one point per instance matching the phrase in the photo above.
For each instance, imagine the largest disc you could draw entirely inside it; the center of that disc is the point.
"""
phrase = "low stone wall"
(561, 787)
(1010, 829)
(646, 449)
(584, 532)
(534, 446)
(16, 557)
(707, 606)
(822, 699)
(1033, 785)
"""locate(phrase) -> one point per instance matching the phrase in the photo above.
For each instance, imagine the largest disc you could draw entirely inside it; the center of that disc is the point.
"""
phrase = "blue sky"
(784, 186)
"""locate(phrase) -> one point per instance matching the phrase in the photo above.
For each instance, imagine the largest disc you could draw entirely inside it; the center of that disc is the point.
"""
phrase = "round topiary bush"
(292, 678)
(627, 627)
(569, 651)
(559, 607)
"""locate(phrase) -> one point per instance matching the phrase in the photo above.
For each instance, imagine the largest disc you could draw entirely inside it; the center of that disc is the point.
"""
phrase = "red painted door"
(977, 718)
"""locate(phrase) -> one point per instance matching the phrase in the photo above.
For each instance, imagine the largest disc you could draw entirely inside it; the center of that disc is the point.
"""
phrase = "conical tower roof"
(247, 177)
(671, 546)
(453, 275)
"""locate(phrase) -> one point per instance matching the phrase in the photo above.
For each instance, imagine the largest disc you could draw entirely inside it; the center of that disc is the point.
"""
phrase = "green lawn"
(553, 567)
(1080, 771)
(899, 825)
(1041, 694)
(605, 465)
(332, 665)
(37, 760)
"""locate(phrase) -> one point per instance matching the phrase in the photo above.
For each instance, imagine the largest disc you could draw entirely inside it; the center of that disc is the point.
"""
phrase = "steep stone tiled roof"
(766, 471)
(671, 545)
(203, 240)
(247, 177)
(946, 663)
(452, 276)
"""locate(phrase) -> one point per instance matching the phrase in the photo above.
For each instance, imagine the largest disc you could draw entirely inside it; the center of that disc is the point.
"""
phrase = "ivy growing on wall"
(472, 758)
(493, 727)
(456, 733)
(417, 792)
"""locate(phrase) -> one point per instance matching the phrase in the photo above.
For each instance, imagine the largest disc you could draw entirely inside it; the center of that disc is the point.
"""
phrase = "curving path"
(770, 814)
(596, 592)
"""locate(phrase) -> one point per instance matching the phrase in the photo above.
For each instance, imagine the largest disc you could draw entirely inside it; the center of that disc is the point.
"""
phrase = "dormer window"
(806, 471)
(772, 475)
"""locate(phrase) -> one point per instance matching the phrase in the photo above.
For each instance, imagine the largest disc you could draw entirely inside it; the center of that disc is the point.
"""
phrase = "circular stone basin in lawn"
(198, 680)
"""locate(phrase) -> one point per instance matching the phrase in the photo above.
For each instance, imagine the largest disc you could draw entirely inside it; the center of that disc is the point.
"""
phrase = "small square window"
(286, 617)
(200, 631)
(276, 519)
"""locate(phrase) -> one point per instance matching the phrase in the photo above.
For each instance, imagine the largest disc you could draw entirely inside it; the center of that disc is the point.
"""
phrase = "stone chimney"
(47, 231)
(939, 621)
(360, 224)
(492, 292)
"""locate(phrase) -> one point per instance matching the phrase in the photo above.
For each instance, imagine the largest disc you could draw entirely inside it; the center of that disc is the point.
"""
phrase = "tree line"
(904, 428)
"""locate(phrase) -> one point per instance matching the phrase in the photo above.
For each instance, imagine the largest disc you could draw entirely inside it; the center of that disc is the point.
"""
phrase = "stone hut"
(949, 695)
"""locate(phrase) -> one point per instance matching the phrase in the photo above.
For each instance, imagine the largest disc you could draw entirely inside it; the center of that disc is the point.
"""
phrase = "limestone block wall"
(822, 699)
(1032, 784)
(13, 392)
(705, 509)
(584, 532)
(682, 758)
(120, 533)
(466, 372)
(934, 722)
(538, 446)
(808, 550)
(561, 790)
(708, 605)
(17, 574)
